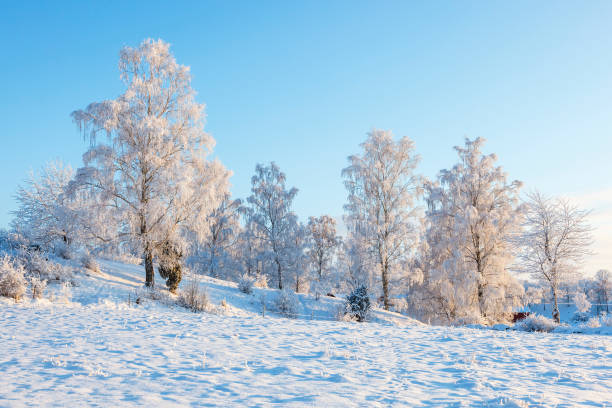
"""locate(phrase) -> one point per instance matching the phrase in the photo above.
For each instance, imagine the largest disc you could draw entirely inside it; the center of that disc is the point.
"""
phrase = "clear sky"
(301, 83)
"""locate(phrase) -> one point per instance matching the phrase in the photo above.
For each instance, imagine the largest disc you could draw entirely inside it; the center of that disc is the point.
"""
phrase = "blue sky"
(301, 83)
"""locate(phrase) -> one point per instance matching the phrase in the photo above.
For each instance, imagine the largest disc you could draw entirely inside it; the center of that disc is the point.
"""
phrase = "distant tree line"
(445, 250)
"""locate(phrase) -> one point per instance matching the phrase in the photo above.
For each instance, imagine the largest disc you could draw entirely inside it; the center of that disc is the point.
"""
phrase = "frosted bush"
(193, 297)
(35, 263)
(246, 283)
(262, 303)
(536, 323)
(119, 256)
(90, 263)
(287, 303)
(604, 320)
(4, 240)
(582, 303)
(64, 250)
(593, 322)
(58, 272)
(580, 317)
(358, 304)
(261, 282)
(400, 305)
(470, 319)
(38, 265)
(154, 294)
(37, 287)
(65, 292)
(316, 288)
(12, 279)
(341, 313)
(10, 241)
(319, 288)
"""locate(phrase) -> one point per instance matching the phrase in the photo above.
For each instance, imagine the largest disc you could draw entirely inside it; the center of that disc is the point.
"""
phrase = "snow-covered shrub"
(4, 240)
(10, 241)
(193, 296)
(582, 302)
(342, 313)
(224, 309)
(48, 217)
(603, 320)
(153, 293)
(287, 303)
(90, 263)
(534, 294)
(470, 319)
(36, 264)
(118, 255)
(580, 317)
(37, 287)
(537, 323)
(65, 292)
(261, 281)
(358, 303)
(64, 250)
(246, 283)
(593, 322)
(583, 305)
(262, 303)
(12, 279)
(317, 289)
(400, 305)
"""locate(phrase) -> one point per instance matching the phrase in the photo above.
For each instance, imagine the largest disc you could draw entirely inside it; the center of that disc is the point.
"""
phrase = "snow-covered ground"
(100, 350)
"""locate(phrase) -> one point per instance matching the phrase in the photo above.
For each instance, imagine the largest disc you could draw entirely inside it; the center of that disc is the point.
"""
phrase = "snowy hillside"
(99, 350)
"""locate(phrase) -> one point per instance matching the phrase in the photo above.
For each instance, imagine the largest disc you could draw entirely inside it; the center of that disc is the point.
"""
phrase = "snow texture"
(102, 349)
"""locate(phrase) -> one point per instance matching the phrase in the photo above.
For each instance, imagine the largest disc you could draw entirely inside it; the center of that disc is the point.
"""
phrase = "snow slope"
(99, 351)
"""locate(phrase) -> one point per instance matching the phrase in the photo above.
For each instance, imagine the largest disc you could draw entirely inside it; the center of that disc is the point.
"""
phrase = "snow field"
(98, 351)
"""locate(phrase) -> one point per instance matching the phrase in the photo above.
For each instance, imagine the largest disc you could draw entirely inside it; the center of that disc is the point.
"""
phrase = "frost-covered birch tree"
(323, 243)
(382, 189)
(472, 215)
(270, 212)
(555, 241)
(46, 215)
(151, 168)
(215, 252)
(249, 248)
(356, 266)
(602, 287)
(298, 258)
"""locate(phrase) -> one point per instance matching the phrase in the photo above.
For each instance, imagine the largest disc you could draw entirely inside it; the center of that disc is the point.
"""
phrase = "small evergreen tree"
(358, 303)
